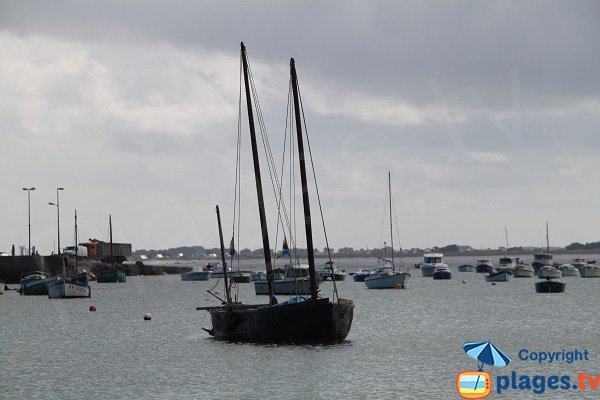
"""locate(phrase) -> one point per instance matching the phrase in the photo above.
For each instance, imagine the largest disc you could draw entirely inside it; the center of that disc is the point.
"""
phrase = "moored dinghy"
(550, 286)
(498, 276)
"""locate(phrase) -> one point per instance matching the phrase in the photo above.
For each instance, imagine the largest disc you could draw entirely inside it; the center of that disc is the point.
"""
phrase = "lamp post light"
(29, 214)
(57, 205)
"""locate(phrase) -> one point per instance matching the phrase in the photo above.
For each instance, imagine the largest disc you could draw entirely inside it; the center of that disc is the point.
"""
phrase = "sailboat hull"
(111, 276)
(313, 322)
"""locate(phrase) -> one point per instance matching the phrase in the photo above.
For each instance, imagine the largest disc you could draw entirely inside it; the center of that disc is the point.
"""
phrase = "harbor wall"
(12, 268)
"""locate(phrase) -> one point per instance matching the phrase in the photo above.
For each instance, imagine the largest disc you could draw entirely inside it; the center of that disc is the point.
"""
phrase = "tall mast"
(76, 245)
(506, 234)
(391, 230)
(259, 191)
(111, 242)
(305, 200)
(547, 239)
(227, 288)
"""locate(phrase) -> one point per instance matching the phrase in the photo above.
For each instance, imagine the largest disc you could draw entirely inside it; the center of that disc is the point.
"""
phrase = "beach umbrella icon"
(486, 353)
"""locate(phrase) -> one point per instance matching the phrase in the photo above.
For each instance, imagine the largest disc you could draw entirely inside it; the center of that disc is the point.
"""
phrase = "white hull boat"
(68, 288)
(499, 276)
(590, 271)
(549, 272)
(431, 261)
(523, 271)
(569, 270)
(387, 280)
(196, 276)
(1, 287)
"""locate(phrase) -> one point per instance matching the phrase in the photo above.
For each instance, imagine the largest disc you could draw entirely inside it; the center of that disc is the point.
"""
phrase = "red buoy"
(92, 308)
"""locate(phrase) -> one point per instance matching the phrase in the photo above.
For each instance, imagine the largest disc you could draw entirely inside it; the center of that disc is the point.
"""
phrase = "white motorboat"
(361, 275)
(590, 271)
(1, 287)
(431, 261)
(540, 260)
(329, 272)
(507, 264)
(569, 270)
(549, 272)
(523, 271)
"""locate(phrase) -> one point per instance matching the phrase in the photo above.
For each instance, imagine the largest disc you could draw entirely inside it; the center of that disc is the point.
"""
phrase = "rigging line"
(383, 218)
(266, 144)
(317, 191)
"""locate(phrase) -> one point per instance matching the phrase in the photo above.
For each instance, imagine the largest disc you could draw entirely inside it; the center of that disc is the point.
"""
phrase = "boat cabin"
(296, 271)
(433, 258)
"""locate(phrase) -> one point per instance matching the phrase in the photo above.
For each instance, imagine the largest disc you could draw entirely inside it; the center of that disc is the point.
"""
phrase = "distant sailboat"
(386, 276)
(113, 274)
(73, 287)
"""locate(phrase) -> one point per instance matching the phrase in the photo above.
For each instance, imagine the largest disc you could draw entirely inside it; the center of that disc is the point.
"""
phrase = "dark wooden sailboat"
(113, 274)
(298, 320)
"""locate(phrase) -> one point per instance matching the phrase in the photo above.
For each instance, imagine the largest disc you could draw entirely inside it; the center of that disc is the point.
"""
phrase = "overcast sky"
(486, 113)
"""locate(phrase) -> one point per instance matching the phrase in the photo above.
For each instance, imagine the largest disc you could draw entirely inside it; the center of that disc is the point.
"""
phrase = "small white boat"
(431, 261)
(65, 288)
(498, 276)
(549, 272)
(196, 276)
(466, 268)
(523, 271)
(329, 272)
(540, 260)
(1, 287)
(216, 269)
(361, 275)
(387, 278)
(507, 264)
(569, 270)
(590, 271)
(579, 263)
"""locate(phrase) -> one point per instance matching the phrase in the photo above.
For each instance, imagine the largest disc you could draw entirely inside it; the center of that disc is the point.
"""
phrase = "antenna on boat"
(547, 239)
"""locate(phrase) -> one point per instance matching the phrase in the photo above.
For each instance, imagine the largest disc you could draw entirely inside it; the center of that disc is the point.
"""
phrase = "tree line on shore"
(202, 252)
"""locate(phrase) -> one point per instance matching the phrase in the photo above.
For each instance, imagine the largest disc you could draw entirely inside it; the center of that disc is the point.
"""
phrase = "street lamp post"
(57, 217)
(29, 214)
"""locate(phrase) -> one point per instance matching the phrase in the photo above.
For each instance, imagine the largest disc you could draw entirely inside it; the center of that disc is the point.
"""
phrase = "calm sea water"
(404, 344)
